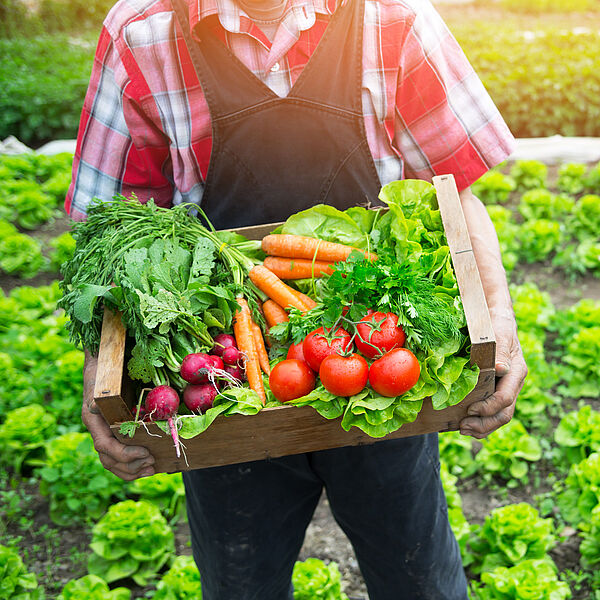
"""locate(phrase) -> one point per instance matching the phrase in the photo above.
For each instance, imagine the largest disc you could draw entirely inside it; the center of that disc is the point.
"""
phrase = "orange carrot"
(297, 268)
(244, 337)
(310, 303)
(278, 291)
(259, 343)
(274, 314)
(298, 246)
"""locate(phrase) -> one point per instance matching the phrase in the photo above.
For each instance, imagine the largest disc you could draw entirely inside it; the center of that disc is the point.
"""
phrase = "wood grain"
(108, 389)
(285, 430)
(483, 349)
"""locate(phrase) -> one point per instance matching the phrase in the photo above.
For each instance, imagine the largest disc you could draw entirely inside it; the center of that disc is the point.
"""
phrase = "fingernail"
(148, 463)
(147, 472)
(466, 432)
(502, 366)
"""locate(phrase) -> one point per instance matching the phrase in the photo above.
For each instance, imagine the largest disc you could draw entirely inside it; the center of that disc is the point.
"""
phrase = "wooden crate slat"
(108, 389)
(483, 340)
(285, 430)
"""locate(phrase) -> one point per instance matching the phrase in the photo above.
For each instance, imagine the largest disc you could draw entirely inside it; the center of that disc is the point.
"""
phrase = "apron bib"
(272, 156)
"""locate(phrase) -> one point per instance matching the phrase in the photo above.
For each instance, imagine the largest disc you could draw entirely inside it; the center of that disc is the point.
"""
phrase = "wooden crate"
(288, 430)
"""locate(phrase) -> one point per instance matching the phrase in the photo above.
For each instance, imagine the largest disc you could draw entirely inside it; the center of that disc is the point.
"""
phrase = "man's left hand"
(488, 415)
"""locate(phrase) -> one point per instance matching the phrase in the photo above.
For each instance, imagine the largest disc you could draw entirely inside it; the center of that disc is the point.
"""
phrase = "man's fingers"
(503, 323)
(497, 410)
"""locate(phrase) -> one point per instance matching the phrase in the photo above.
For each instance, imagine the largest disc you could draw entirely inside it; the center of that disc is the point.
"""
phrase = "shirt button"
(275, 68)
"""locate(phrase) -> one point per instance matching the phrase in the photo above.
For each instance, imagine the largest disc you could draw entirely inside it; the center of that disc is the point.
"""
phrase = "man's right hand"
(127, 462)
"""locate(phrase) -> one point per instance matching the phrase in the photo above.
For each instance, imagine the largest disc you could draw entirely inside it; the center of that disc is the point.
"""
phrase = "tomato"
(295, 351)
(379, 333)
(395, 372)
(344, 375)
(321, 343)
(291, 379)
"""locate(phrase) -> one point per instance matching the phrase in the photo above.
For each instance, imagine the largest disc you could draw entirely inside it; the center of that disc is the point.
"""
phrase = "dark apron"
(272, 156)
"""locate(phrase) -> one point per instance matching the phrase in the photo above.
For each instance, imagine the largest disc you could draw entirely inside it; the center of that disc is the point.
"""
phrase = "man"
(258, 109)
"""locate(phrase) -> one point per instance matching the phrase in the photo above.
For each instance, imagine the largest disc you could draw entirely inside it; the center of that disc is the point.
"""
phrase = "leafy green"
(79, 487)
(160, 268)
(493, 187)
(529, 174)
(315, 580)
(15, 582)
(533, 308)
(538, 238)
(20, 255)
(507, 451)
(579, 494)
(23, 435)
(131, 540)
(460, 526)
(456, 452)
(180, 582)
(590, 543)
(63, 248)
(578, 435)
(571, 178)
(92, 587)
(163, 489)
(534, 579)
(543, 204)
(412, 278)
(510, 535)
(582, 369)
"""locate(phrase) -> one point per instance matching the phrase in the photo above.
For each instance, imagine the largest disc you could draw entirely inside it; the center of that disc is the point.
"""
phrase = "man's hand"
(127, 462)
(497, 410)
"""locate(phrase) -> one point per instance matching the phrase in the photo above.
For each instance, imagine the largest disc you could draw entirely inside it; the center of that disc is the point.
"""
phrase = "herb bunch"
(173, 279)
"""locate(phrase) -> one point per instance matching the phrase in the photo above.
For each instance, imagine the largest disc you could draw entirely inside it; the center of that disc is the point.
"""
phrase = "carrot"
(259, 343)
(298, 246)
(244, 336)
(297, 268)
(274, 314)
(278, 291)
(306, 299)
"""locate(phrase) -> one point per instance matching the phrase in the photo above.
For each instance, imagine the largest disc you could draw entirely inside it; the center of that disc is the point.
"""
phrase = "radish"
(223, 341)
(231, 356)
(162, 403)
(235, 371)
(195, 367)
(217, 361)
(199, 397)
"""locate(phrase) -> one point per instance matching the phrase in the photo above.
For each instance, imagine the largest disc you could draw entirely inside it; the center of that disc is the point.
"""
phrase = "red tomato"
(291, 379)
(344, 375)
(395, 372)
(295, 351)
(320, 343)
(379, 333)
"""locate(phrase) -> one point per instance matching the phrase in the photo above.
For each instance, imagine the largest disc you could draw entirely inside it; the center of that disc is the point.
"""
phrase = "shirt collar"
(299, 15)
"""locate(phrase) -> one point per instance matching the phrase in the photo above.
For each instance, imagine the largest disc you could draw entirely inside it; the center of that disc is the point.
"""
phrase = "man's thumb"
(502, 360)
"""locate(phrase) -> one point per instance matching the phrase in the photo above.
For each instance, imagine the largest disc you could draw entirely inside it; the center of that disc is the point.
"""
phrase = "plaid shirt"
(145, 126)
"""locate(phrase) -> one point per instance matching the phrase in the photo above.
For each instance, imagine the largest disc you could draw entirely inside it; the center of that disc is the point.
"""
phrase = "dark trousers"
(248, 521)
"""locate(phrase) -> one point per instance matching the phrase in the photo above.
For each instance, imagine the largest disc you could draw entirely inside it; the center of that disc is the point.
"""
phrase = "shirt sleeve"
(446, 122)
(120, 150)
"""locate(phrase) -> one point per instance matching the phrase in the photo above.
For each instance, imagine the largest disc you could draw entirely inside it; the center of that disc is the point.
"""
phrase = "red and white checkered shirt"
(145, 126)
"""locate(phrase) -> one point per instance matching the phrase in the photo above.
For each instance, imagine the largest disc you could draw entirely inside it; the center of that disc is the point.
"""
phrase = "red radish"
(231, 356)
(235, 371)
(223, 341)
(162, 403)
(195, 367)
(217, 361)
(199, 398)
